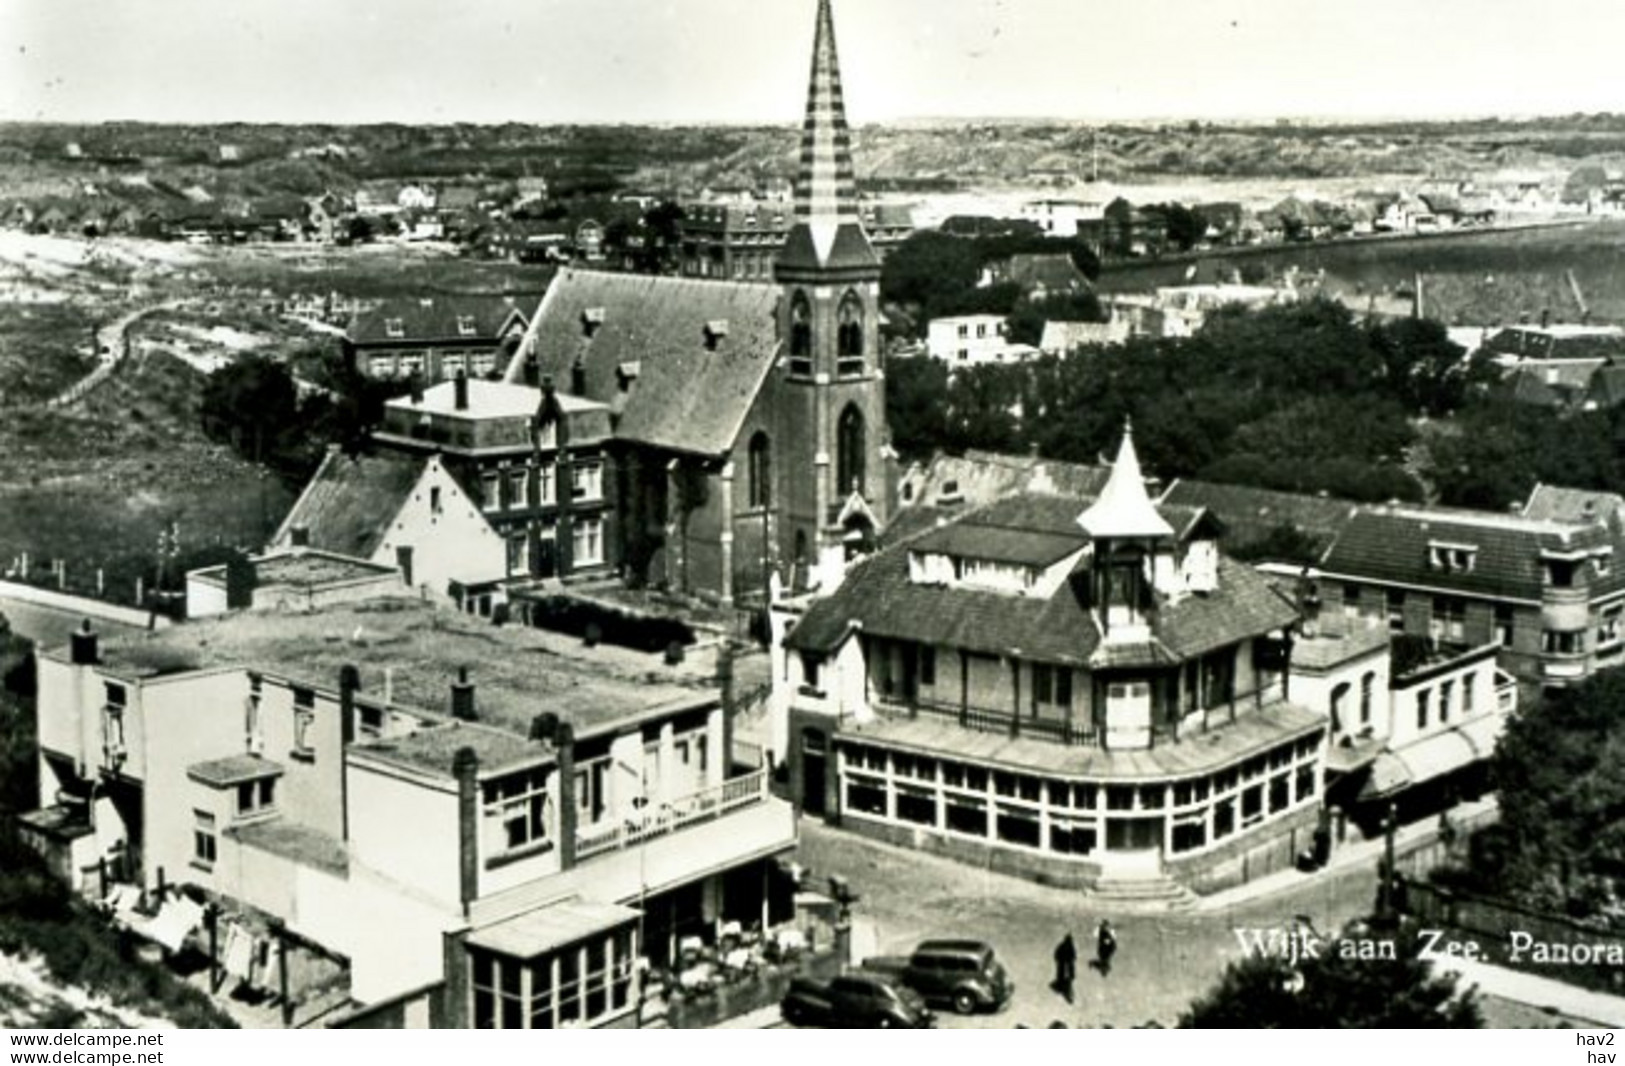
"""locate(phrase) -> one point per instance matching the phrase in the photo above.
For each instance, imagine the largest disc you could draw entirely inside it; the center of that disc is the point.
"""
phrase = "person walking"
(1105, 947)
(1066, 966)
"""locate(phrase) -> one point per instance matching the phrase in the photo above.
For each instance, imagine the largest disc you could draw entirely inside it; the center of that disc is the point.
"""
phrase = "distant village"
(522, 715)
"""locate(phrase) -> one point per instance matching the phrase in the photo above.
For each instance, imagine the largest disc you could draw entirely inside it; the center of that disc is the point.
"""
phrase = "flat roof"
(490, 399)
(554, 925)
(302, 844)
(234, 769)
(1225, 744)
(517, 672)
(1326, 650)
(305, 568)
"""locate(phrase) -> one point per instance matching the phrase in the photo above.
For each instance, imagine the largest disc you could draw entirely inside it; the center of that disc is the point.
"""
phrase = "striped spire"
(826, 188)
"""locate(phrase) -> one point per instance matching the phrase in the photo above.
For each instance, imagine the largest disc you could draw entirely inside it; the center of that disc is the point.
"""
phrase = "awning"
(1346, 758)
(1432, 757)
(539, 931)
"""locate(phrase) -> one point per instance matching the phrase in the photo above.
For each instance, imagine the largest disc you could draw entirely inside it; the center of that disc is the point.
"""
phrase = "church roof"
(1123, 508)
(694, 382)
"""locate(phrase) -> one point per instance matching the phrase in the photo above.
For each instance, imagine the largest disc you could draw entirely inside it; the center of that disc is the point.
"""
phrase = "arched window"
(849, 336)
(801, 335)
(761, 471)
(849, 451)
(1340, 699)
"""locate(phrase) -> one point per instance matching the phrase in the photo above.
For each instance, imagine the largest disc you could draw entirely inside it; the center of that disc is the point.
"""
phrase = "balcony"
(981, 720)
(703, 806)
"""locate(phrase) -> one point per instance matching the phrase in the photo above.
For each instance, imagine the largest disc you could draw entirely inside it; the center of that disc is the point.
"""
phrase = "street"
(1164, 959)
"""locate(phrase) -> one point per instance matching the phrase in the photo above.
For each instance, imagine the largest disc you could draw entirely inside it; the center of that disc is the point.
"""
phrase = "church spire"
(828, 231)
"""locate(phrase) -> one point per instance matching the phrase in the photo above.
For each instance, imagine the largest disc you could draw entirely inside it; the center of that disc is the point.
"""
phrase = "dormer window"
(715, 330)
(1451, 558)
(465, 325)
(1602, 562)
(591, 319)
(394, 327)
(949, 493)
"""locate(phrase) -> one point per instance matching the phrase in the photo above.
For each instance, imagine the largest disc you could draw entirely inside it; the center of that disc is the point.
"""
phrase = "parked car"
(856, 1000)
(964, 974)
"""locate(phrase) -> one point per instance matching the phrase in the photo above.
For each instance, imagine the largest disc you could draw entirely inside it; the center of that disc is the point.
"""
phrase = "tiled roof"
(436, 318)
(687, 396)
(1250, 514)
(351, 500)
(970, 539)
(953, 484)
(879, 596)
(1051, 271)
(1392, 546)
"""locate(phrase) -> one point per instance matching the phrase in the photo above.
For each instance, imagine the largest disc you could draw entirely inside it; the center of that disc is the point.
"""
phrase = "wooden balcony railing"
(672, 815)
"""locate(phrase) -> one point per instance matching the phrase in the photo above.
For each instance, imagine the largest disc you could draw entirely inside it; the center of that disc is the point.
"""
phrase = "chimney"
(578, 378)
(465, 767)
(462, 697)
(459, 386)
(299, 536)
(725, 682)
(417, 389)
(1545, 317)
(564, 744)
(349, 685)
(83, 649)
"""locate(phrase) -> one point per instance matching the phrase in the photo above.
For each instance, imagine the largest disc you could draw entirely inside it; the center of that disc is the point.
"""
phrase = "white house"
(970, 340)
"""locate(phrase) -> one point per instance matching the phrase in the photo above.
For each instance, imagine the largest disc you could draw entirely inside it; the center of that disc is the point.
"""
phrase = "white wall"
(406, 830)
(455, 543)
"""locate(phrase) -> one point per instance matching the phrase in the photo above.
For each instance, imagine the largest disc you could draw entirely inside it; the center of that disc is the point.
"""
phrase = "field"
(1478, 278)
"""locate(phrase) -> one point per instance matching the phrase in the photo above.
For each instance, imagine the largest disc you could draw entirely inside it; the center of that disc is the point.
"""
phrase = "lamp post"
(640, 804)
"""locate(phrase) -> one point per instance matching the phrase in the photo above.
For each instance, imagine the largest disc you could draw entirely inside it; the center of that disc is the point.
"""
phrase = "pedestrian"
(1066, 966)
(1105, 947)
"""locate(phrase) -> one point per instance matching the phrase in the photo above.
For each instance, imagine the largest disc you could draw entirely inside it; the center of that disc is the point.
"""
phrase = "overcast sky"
(695, 61)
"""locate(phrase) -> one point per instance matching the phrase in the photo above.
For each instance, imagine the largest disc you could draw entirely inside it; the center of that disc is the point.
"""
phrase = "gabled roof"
(350, 502)
(1251, 514)
(1393, 546)
(437, 318)
(687, 397)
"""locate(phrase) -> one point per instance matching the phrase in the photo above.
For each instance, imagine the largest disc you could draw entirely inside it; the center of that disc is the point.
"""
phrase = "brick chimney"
(459, 386)
(84, 646)
(462, 697)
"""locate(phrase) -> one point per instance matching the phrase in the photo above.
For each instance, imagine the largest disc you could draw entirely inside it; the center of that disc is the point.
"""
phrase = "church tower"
(834, 484)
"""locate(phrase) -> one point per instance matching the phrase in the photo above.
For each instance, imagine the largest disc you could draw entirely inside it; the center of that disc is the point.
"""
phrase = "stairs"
(1145, 892)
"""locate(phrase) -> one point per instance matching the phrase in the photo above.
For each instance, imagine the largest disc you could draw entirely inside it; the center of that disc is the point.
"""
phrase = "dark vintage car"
(856, 1000)
(964, 974)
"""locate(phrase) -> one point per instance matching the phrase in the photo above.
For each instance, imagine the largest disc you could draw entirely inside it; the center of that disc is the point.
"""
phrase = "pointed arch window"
(801, 350)
(849, 336)
(761, 471)
(850, 451)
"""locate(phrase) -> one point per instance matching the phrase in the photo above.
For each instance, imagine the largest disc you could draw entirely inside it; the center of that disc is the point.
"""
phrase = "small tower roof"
(1124, 509)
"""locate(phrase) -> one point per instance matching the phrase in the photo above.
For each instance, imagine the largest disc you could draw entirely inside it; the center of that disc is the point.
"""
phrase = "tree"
(1423, 368)
(1333, 989)
(1562, 800)
(930, 270)
(250, 403)
(917, 405)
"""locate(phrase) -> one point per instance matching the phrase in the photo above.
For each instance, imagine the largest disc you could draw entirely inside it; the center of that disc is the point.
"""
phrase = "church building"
(747, 419)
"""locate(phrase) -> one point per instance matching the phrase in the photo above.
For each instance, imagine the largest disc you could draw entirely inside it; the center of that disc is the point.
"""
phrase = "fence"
(1522, 939)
